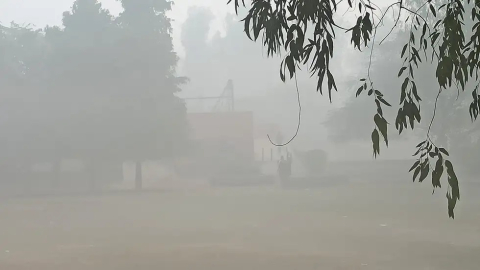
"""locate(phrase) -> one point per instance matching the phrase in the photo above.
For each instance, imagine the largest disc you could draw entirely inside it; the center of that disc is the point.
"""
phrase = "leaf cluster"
(439, 34)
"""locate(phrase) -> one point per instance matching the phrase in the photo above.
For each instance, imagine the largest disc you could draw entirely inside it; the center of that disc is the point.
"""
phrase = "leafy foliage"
(103, 87)
(437, 33)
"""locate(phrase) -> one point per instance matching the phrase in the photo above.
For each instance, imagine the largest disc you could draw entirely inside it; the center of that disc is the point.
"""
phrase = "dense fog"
(145, 134)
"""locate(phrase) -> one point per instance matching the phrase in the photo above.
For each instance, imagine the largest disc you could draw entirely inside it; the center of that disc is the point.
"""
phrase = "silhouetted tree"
(104, 88)
(22, 54)
(158, 121)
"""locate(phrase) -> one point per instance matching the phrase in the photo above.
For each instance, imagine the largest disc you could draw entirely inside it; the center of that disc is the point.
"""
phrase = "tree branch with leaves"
(305, 30)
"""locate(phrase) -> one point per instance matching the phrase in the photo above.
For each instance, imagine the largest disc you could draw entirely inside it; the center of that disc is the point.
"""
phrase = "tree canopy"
(445, 34)
(98, 87)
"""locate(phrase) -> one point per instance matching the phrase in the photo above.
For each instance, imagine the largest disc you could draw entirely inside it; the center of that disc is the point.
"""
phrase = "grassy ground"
(359, 226)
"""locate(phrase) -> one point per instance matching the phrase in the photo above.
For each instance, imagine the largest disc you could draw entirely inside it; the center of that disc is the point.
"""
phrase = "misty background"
(133, 134)
(212, 48)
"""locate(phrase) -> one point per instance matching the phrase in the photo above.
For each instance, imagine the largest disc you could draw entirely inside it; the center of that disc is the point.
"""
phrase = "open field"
(356, 226)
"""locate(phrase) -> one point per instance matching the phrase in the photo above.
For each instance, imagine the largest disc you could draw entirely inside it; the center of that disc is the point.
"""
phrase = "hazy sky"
(49, 12)
(258, 80)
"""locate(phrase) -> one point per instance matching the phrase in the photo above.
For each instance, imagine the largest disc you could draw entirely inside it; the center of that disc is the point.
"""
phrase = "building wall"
(233, 128)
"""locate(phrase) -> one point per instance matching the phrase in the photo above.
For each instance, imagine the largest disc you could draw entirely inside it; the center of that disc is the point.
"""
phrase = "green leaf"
(437, 174)
(451, 205)
(417, 171)
(454, 196)
(384, 101)
(289, 35)
(424, 30)
(382, 126)
(359, 91)
(401, 71)
(404, 50)
(418, 151)
(247, 20)
(432, 9)
(256, 31)
(282, 71)
(301, 37)
(405, 83)
(453, 181)
(449, 166)
(414, 165)
(375, 142)
(379, 110)
(290, 65)
(420, 144)
(415, 91)
(424, 171)
(443, 151)
(416, 54)
(366, 28)
(331, 84)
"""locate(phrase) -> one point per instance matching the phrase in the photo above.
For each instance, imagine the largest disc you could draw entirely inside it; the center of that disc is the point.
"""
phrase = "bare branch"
(396, 21)
(299, 118)
(433, 117)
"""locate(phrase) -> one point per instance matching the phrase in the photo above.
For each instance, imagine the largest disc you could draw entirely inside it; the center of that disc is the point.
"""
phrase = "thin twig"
(341, 27)
(371, 56)
(433, 117)
(396, 21)
(299, 118)
(416, 14)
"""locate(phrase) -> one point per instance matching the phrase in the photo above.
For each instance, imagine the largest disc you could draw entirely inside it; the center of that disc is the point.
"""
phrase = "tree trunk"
(138, 175)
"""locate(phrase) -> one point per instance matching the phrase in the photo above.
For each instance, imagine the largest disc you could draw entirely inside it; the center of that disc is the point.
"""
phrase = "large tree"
(446, 35)
(158, 119)
(80, 80)
(22, 54)
(121, 73)
(100, 88)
